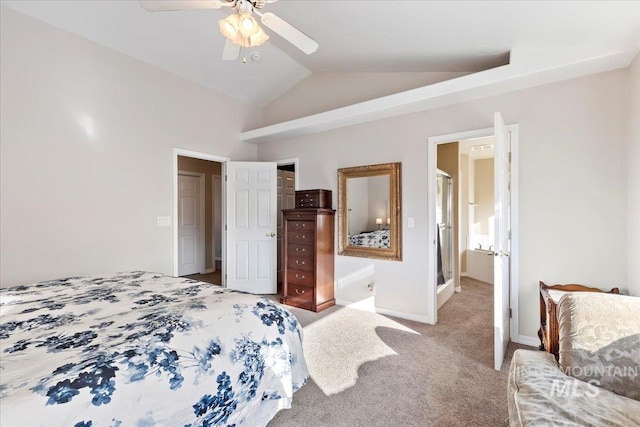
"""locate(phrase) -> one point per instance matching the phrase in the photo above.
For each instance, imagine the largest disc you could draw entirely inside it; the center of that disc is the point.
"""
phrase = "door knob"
(271, 234)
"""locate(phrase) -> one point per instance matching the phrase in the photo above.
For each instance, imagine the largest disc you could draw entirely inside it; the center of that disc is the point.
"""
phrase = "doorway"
(505, 250)
(464, 214)
(286, 199)
(198, 213)
(219, 231)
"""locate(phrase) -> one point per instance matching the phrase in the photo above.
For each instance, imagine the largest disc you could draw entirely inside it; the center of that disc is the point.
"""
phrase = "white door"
(286, 200)
(501, 244)
(251, 227)
(190, 257)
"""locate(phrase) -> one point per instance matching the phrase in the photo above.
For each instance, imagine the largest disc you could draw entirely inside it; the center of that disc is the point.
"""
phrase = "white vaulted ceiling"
(354, 36)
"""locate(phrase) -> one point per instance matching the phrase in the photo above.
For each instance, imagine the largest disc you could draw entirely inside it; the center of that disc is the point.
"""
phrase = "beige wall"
(483, 196)
(209, 169)
(448, 160)
(87, 141)
(633, 180)
(572, 185)
(326, 91)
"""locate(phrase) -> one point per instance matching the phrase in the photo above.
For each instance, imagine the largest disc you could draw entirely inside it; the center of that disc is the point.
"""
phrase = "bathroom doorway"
(505, 250)
(477, 209)
(464, 214)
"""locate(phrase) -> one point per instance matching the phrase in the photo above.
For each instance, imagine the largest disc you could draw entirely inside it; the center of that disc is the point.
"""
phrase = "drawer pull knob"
(300, 262)
(298, 225)
(299, 292)
(299, 276)
(301, 250)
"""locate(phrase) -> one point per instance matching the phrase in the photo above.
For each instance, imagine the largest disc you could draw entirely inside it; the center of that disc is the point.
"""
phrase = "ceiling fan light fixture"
(242, 29)
(229, 26)
(247, 25)
(258, 38)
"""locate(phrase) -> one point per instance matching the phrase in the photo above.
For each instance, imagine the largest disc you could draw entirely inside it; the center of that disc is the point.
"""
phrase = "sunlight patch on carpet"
(335, 353)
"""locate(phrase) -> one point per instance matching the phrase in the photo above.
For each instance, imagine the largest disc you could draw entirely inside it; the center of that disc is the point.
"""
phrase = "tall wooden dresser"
(307, 261)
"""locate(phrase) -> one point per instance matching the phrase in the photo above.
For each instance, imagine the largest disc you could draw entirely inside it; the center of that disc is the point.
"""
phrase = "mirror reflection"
(369, 211)
(368, 216)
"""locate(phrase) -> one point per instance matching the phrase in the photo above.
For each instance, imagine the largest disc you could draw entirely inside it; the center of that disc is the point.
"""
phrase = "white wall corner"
(531, 341)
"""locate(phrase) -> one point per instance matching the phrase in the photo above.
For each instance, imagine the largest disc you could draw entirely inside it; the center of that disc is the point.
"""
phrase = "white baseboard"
(525, 340)
(414, 317)
(208, 270)
(407, 316)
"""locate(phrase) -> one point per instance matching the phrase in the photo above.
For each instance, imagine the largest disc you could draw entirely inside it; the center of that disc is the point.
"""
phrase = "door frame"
(432, 144)
(202, 259)
(214, 236)
(202, 156)
(293, 161)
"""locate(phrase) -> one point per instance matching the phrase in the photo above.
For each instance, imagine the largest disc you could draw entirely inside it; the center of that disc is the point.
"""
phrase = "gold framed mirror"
(369, 211)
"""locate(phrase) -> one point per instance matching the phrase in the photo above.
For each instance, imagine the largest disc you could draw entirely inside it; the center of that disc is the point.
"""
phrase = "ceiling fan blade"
(231, 51)
(169, 5)
(289, 33)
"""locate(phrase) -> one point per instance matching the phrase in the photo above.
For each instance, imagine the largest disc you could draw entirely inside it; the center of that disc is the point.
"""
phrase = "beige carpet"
(373, 370)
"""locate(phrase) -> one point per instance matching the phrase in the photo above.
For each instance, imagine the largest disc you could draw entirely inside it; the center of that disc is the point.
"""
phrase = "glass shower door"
(444, 222)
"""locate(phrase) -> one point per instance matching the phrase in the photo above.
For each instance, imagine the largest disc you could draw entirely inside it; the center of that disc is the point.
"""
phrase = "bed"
(371, 239)
(144, 349)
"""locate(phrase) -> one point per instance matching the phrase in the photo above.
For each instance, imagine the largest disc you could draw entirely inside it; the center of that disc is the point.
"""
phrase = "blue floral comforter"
(371, 239)
(143, 349)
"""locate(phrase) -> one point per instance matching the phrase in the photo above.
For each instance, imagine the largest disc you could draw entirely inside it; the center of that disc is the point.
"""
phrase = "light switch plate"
(163, 221)
(411, 222)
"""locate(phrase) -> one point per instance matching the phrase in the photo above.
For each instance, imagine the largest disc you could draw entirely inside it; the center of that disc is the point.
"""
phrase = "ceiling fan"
(240, 28)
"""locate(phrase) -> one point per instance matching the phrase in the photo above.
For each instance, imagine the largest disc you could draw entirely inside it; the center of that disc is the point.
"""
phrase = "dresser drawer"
(302, 251)
(299, 292)
(296, 225)
(309, 202)
(301, 237)
(299, 263)
(313, 199)
(297, 277)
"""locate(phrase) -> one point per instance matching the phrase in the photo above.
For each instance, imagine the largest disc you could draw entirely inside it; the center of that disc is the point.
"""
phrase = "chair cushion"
(600, 340)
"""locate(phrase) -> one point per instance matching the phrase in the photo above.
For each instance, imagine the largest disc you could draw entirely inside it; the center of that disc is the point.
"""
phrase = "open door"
(501, 244)
(251, 227)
